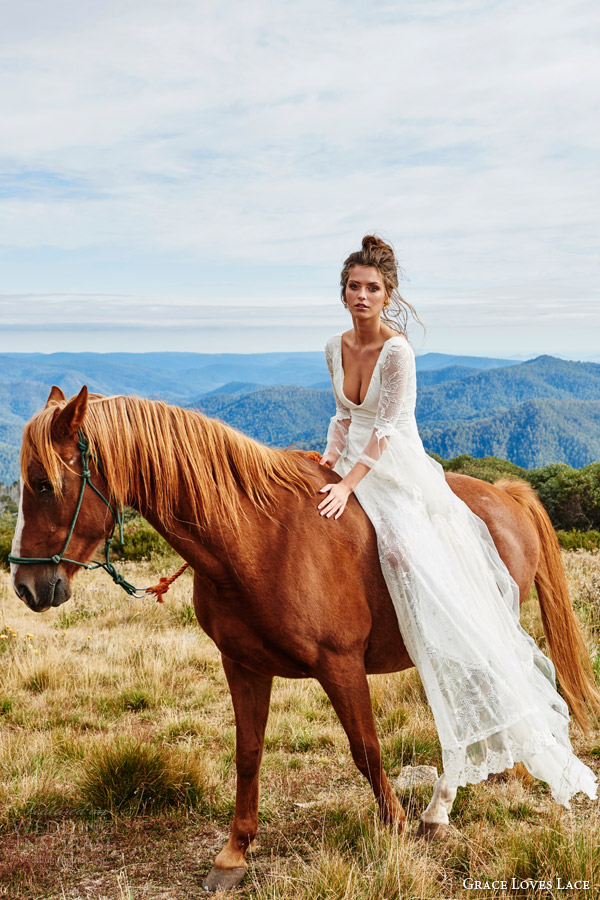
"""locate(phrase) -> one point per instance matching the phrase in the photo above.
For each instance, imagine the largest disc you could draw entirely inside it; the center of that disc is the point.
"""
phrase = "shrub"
(131, 776)
(578, 540)
(141, 541)
(6, 536)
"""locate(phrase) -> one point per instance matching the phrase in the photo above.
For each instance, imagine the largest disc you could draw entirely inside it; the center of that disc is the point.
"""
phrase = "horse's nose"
(26, 595)
(44, 592)
(61, 592)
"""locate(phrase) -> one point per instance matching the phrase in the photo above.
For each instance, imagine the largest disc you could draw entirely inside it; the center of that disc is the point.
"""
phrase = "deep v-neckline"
(362, 403)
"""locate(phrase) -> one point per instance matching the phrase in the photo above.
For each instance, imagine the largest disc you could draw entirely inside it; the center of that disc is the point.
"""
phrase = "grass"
(130, 776)
(117, 768)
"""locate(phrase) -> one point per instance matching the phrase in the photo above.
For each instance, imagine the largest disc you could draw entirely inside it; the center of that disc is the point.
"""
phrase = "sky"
(190, 174)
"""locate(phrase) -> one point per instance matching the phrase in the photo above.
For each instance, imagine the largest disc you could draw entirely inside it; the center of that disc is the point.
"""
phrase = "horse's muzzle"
(43, 593)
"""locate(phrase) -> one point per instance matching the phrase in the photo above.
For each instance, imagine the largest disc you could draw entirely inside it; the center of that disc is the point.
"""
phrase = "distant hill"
(281, 398)
(490, 392)
(531, 434)
(443, 360)
(182, 377)
(177, 377)
(277, 416)
(428, 377)
(20, 399)
(533, 413)
(9, 462)
(235, 387)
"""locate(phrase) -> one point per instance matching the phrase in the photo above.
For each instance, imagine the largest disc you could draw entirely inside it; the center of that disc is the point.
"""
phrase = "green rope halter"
(117, 514)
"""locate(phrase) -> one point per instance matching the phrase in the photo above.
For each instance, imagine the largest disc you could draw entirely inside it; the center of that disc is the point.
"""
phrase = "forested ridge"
(533, 413)
(277, 416)
(477, 394)
(530, 433)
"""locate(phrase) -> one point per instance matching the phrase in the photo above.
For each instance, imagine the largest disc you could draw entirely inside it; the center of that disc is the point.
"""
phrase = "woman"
(491, 690)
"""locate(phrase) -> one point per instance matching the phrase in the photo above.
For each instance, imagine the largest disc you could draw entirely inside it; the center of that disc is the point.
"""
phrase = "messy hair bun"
(375, 252)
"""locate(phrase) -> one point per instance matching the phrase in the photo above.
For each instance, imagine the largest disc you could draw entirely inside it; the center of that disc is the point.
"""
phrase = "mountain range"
(534, 412)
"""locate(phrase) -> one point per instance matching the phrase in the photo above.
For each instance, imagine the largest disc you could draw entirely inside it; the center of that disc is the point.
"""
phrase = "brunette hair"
(375, 252)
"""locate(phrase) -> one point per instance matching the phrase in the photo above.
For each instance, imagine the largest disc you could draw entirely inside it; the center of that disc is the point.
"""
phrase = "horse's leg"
(251, 694)
(351, 699)
(434, 820)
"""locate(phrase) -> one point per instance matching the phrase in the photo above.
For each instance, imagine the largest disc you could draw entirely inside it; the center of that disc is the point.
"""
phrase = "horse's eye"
(45, 487)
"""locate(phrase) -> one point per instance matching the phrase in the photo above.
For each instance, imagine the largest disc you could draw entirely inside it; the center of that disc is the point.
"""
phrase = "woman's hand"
(335, 502)
(329, 459)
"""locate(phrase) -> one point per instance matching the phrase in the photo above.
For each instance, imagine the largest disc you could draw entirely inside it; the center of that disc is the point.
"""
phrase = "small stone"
(410, 776)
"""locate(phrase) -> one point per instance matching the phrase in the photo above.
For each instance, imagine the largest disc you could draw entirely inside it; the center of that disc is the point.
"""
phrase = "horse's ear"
(55, 396)
(71, 417)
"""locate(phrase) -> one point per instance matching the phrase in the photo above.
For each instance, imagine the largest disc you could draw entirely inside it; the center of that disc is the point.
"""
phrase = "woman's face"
(365, 293)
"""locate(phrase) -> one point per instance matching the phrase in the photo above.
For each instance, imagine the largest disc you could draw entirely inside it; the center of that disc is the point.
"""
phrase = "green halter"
(117, 514)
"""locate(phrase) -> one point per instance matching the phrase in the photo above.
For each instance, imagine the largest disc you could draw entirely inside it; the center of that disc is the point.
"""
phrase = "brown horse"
(280, 589)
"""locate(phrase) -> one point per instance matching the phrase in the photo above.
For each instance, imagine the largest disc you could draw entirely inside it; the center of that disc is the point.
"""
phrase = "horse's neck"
(213, 549)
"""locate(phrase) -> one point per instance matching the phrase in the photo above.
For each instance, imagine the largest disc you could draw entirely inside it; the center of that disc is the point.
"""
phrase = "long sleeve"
(394, 374)
(340, 423)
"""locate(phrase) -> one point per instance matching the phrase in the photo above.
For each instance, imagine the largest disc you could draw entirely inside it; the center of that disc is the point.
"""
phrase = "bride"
(491, 690)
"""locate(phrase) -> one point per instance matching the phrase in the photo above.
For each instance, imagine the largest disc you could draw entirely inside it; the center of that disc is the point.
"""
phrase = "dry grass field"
(117, 769)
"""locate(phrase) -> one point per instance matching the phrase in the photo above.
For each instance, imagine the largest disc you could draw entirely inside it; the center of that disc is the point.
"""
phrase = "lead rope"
(165, 583)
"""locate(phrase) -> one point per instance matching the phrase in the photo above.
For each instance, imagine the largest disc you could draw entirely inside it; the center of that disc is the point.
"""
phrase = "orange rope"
(165, 583)
(314, 454)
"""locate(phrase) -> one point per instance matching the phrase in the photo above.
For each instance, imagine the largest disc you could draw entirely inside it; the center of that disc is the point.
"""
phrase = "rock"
(411, 776)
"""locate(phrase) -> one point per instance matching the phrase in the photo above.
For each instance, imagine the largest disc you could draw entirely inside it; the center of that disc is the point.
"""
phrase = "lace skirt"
(492, 691)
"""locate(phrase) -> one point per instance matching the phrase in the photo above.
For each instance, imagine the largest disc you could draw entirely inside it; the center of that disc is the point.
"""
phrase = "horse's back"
(501, 506)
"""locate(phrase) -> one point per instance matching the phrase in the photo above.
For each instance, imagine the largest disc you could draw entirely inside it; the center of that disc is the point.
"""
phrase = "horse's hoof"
(432, 831)
(222, 879)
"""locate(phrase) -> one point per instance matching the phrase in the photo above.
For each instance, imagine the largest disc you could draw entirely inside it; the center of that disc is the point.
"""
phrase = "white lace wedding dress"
(491, 690)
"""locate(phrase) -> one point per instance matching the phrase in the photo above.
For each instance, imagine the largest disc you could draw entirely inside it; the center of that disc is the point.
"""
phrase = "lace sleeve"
(394, 374)
(340, 422)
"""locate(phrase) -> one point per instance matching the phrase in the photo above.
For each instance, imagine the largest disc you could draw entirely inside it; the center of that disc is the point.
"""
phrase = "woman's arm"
(339, 423)
(394, 372)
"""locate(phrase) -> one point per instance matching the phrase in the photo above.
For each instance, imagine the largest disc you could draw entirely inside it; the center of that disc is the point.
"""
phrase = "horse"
(280, 589)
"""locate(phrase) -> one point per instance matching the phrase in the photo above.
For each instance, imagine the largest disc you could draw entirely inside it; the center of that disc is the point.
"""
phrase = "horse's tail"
(563, 633)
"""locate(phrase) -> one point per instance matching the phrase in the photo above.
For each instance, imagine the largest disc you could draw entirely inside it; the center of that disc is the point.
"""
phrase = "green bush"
(6, 536)
(487, 468)
(571, 497)
(141, 541)
(578, 540)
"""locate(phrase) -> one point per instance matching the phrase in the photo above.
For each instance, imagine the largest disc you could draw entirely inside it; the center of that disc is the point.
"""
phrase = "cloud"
(461, 323)
(207, 138)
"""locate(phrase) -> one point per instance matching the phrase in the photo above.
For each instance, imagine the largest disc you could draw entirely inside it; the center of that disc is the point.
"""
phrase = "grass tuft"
(135, 699)
(186, 615)
(39, 680)
(130, 776)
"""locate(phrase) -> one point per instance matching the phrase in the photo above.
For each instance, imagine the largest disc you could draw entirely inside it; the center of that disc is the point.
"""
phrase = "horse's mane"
(152, 450)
